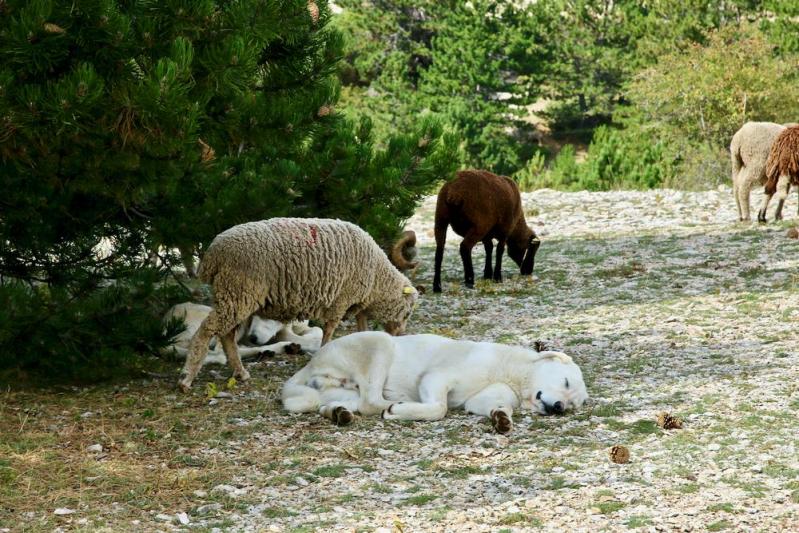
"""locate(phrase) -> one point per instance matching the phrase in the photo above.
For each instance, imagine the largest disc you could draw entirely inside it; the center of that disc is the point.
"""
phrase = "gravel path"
(668, 304)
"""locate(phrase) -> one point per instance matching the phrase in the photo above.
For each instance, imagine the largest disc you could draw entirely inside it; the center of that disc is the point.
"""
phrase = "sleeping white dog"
(256, 332)
(420, 377)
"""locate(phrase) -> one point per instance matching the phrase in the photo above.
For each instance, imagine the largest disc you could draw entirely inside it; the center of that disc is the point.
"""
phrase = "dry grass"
(685, 319)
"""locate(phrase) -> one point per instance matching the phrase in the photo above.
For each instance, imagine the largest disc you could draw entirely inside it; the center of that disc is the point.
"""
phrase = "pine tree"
(127, 125)
(469, 63)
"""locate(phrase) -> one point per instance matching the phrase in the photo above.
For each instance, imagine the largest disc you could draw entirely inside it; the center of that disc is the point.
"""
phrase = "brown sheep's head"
(403, 252)
(524, 254)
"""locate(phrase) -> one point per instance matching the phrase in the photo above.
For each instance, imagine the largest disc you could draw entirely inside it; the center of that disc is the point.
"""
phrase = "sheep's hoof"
(501, 422)
(436, 288)
(469, 284)
(341, 416)
(184, 385)
(242, 376)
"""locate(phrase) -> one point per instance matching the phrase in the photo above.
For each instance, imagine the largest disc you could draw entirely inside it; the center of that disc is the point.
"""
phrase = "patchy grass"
(691, 317)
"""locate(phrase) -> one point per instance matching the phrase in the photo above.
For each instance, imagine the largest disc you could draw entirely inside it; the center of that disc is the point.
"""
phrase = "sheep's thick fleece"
(749, 151)
(297, 268)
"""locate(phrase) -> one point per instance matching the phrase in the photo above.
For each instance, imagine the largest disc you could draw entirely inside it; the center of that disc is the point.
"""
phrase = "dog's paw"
(341, 416)
(387, 413)
(293, 349)
(501, 422)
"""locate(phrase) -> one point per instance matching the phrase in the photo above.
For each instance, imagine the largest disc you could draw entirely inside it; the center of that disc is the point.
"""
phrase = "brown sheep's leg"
(441, 239)
(761, 214)
(498, 266)
(328, 330)
(778, 211)
(466, 257)
(232, 353)
(488, 244)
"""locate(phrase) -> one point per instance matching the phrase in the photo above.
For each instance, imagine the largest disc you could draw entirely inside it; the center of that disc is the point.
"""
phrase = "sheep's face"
(394, 312)
(524, 256)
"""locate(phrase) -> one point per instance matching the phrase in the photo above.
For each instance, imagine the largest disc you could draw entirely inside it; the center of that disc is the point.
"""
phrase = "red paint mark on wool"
(314, 233)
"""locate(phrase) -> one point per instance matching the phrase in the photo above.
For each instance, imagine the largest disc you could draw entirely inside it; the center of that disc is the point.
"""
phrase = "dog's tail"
(299, 397)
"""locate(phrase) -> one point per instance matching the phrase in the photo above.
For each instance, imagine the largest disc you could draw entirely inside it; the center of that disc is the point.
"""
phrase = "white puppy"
(420, 377)
(256, 331)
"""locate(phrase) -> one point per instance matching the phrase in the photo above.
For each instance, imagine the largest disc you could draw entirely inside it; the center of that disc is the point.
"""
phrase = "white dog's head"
(261, 330)
(556, 385)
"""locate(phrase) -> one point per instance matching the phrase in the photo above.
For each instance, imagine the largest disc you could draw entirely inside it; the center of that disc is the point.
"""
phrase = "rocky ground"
(666, 302)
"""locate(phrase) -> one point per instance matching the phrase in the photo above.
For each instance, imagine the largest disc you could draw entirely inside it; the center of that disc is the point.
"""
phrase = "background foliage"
(628, 93)
(131, 127)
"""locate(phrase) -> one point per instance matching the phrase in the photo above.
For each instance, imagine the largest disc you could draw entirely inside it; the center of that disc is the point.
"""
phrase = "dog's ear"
(557, 356)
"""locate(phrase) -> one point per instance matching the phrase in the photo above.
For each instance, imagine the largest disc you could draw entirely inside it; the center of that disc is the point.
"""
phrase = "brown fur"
(783, 159)
(402, 252)
(481, 206)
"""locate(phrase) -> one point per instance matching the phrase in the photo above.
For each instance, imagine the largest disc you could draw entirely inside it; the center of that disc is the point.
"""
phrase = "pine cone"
(540, 346)
(666, 421)
(619, 454)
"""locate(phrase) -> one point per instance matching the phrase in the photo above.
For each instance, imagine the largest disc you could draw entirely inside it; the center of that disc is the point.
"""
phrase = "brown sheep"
(481, 206)
(782, 169)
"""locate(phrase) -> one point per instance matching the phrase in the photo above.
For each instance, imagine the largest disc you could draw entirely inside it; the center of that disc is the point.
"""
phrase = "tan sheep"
(749, 152)
(296, 269)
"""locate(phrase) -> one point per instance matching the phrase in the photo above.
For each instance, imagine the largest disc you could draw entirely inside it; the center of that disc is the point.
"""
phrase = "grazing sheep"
(295, 269)
(482, 206)
(749, 151)
(782, 169)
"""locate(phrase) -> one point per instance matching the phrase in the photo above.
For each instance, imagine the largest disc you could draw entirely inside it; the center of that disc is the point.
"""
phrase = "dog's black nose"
(554, 409)
(254, 338)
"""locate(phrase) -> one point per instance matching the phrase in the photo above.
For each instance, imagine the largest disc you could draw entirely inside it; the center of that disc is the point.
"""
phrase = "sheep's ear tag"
(408, 290)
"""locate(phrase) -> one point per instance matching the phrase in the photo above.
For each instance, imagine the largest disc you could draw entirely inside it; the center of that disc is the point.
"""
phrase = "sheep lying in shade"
(749, 152)
(782, 169)
(481, 206)
(296, 269)
(255, 332)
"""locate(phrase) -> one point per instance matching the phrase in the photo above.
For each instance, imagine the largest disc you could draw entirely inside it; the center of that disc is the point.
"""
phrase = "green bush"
(129, 126)
(63, 336)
